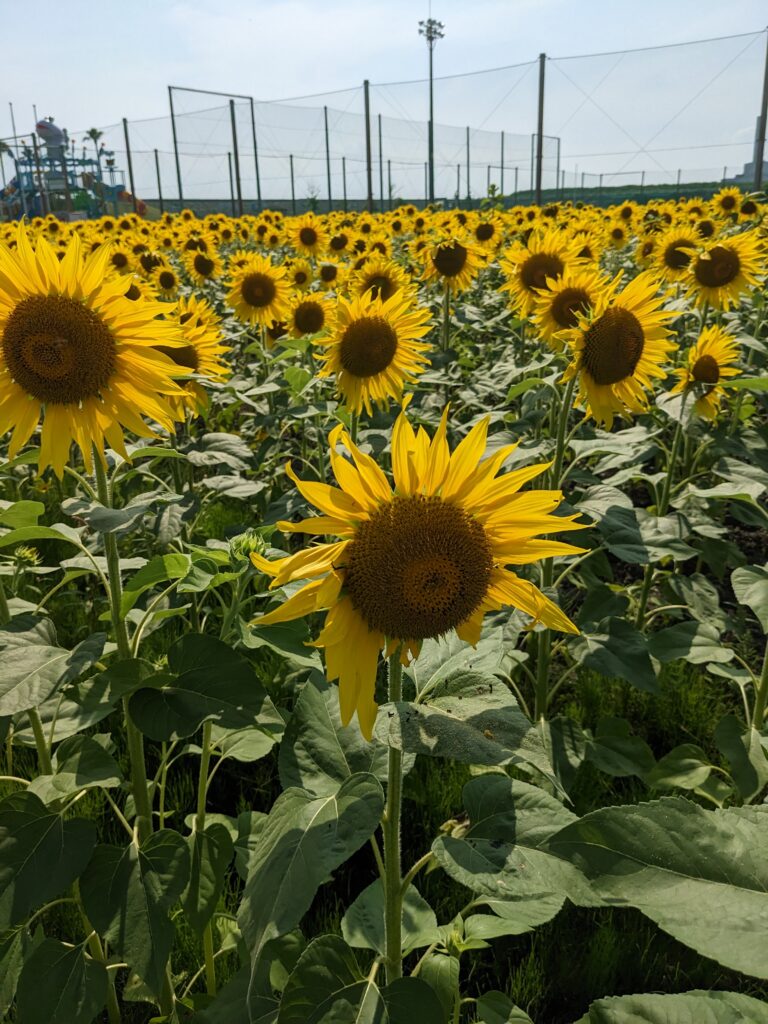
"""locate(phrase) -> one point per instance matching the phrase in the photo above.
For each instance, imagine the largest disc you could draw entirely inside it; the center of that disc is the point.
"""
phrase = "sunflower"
(308, 235)
(619, 347)
(674, 250)
(203, 266)
(709, 361)
(330, 275)
(166, 281)
(487, 232)
(529, 268)
(373, 349)
(419, 561)
(121, 259)
(725, 269)
(259, 292)
(308, 315)
(300, 274)
(452, 261)
(727, 201)
(202, 355)
(75, 350)
(381, 277)
(558, 308)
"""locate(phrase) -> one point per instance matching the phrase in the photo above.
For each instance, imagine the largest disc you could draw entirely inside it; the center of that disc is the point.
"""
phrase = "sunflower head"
(259, 291)
(709, 362)
(453, 261)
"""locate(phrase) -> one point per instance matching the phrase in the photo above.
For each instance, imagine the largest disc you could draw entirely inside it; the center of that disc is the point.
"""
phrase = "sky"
(92, 63)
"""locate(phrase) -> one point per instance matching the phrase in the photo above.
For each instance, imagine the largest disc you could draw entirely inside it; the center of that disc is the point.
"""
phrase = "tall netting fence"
(639, 121)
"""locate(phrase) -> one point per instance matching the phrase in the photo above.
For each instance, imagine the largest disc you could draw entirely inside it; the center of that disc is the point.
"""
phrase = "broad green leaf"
(128, 892)
(750, 585)
(616, 751)
(745, 754)
(41, 854)
(21, 514)
(747, 384)
(31, 674)
(701, 597)
(60, 985)
(15, 947)
(118, 520)
(441, 972)
(26, 534)
(695, 642)
(469, 717)
(443, 657)
(207, 681)
(695, 1007)
(501, 853)
(304, 839)
(363, 924)
(616, 649)
(159, 569)
(685, 767)
(498, 1008)
(210, 853)
(288, 639)
(700, 875)
(512, 917)
(80, 762)
(317, 753)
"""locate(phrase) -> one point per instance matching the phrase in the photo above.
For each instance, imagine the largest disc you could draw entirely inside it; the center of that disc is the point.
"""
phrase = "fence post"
(327, 158)
(540, 129)
(761, 126)
(344, 180)
(236, 155)
(517, 171)
(175, 145)
(458, 184)
(389, 183)
(231, 184)
(130, 164)
(159, 184)
(368, 162)
(642, 179)
(381, 169)
(678, 177)
(255, 155)
(469, 190)
(488, 179)
(293, 188)
(426, 182)
(582, 180)
(501, 178)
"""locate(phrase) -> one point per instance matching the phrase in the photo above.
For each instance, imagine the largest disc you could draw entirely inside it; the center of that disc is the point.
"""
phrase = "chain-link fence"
(645, 120)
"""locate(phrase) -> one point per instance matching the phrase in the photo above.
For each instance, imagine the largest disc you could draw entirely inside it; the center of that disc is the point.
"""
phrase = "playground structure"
(52, 179)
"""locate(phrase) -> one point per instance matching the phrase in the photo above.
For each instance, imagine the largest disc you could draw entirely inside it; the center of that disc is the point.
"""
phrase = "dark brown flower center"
(483, 232)
(613, 345)
(449, 259)
(258, 289)
(309, 317)
(185, 356)
(167, 279)
(379, 285)
(538, 267)
(119, 260)
(58, 350)
(339, 242)
(418, 568)
(368, 346)
(677, 255)
(718, 267)
(705, 370)
(728, 202)
(567, 304)
(203, 265)
(328, 273)
(308, 236)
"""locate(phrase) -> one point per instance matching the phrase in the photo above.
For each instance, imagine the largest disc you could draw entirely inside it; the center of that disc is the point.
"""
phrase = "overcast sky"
(92, 63)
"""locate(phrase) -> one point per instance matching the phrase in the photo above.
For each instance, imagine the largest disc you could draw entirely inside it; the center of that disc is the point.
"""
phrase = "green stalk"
(43, 753)
(661, 510)
(547, 570)
(96, 950)
(139, 787)
(393, 883)
(446, 315)
(762, 693)
(5, 611)
(202, 789)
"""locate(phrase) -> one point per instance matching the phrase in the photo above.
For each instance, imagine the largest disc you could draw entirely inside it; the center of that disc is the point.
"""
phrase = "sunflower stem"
(446, 316)
(544, 651)
(202, 789)
(354, 419)
(393, 883)
(5, 611)
(43, 753)
(661, 510)
(139, 788)
(761, 694)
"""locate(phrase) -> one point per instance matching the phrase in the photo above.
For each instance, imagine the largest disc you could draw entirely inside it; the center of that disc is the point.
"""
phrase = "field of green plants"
(383, 613)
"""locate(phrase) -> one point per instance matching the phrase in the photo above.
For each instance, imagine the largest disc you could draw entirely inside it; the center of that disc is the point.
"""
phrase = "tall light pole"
(432, 30)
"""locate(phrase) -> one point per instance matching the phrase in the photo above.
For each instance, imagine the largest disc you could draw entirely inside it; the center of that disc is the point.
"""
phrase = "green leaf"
(469, 717)
(695, 642)
(700, 875)
(159, 569)
(207, 681)
(104, 519)
(127, 893)
(363, 924)
(447, 655)
(747, 384)
(60, 985)
(616, 649)
(616, 752)
(80, 762)
(31, 674)
(21, 514)
(695, 1007)
(750, 585)
(498, 1008)
(25, 534)
(41, 854)
(502, 854)
(15, 947)
(441, 972)
(512, 917)
(304, 839)
(210, 853)
(317, 753)
(685, 767)
(745, 754)
(288, 639)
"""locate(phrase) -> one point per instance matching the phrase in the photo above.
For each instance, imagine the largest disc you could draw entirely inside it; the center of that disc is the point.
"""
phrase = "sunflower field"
(383, 613)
